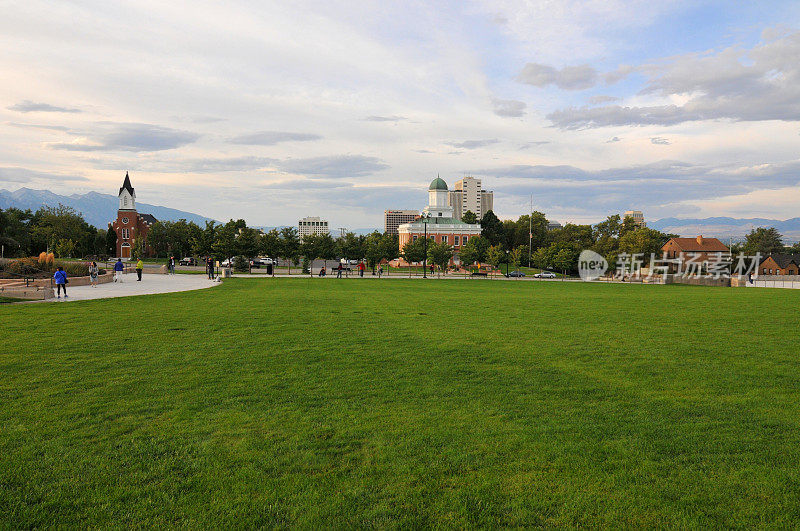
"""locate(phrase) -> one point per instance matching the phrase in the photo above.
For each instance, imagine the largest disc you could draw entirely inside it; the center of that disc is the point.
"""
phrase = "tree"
(440, 254)
(203, 242)
(290, 246)
(326, 248)
(643, 240)
(495, 255)
(413, 252)
(492, 229)
(373, 249)
(111, 242)
(517, 255)
(473, 251)
(469, 217)
(64, 247)
(270, 244)
(763, 241)
(309, 250)
(224, 245)
(247, 243)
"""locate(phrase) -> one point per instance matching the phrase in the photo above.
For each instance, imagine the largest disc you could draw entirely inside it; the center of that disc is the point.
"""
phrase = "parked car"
(545, 274)
(516, 274)
(228, 262)
(260, 262)
(187, 261)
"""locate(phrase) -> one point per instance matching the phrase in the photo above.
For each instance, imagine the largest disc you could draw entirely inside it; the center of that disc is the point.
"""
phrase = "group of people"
(119, 269)
(339, 268)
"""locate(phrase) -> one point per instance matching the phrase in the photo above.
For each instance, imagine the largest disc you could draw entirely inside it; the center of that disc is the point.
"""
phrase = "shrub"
(240, 263)
(51, 258)
(42, 258)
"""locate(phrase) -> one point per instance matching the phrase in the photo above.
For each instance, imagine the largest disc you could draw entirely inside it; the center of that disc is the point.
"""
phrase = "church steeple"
(127, 195)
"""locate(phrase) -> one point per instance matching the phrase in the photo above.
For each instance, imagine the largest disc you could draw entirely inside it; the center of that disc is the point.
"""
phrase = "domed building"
(442, 226)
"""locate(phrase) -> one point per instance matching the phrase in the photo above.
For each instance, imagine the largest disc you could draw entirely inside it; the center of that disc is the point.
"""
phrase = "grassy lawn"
(7, 300)
(299, 402)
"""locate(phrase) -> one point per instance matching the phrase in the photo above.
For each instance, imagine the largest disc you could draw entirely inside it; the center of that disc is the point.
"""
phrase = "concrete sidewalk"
(150, 284)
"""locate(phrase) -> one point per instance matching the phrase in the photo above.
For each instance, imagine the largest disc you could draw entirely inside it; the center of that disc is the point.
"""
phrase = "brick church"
(130, 226)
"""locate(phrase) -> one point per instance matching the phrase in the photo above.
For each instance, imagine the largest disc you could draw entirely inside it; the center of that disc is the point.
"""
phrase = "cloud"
(270, 138)
(337, 166)
(645, 186)
(659, 140)
(384, 118)
(39, 126)
(129, 137)
(612, 140)
(568, 78)
(473, 144)
(528, 145)
(762, 83)
(23, 175)
(594, 100)
(509, 108)
(30, 106)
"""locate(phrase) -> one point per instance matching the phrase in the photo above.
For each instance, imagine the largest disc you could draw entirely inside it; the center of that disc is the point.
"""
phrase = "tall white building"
(638, 217)
(312, 225)
(467, 194)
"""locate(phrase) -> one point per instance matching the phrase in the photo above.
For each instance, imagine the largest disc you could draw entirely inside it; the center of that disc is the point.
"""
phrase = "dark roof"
(783, 260)
(699, 244)
(148, 218)
(126, 185)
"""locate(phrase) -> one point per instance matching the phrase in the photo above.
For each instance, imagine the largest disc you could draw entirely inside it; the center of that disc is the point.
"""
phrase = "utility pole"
(530, 232)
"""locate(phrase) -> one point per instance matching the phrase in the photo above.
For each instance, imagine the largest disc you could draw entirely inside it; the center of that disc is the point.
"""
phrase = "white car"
(545, 274)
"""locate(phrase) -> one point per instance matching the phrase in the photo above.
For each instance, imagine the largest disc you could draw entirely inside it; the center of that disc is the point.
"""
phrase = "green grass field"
(403, 403)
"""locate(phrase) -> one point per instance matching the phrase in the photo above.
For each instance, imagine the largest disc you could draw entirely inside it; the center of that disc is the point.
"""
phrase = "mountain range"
(727, 228)
(97, 209)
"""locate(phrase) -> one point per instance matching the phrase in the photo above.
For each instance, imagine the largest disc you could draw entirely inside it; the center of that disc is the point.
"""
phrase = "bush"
(32, 268)
(240, 263)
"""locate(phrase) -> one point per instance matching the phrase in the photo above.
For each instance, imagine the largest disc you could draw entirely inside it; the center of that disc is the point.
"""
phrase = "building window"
(455, 240)
(444, 239)
(414, 238)
(126, 233)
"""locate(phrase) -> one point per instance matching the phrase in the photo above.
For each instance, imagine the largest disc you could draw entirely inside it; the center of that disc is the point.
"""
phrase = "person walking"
(361, 268)
(380, 271)
(119, 267)
(93, 271)
(60, 277)
(171, 265)
(139, 267)
(339, 270)
(322, 271)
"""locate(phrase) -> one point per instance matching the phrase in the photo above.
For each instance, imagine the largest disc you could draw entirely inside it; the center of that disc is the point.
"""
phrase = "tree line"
(64, 232)
(60, 230)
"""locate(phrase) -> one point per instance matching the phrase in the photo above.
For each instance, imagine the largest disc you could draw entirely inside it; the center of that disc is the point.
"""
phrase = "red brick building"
(130, 226)
(780, 264)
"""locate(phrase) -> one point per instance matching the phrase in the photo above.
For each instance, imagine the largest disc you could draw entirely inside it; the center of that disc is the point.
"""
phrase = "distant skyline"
(277, 111)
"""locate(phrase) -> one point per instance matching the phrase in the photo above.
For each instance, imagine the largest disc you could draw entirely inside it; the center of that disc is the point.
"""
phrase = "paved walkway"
(150, 284)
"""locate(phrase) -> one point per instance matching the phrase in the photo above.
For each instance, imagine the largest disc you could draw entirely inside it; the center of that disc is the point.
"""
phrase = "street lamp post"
(425, 220)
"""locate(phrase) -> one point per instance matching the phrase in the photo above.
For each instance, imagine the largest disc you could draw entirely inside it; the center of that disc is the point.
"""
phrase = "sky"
(272, 111)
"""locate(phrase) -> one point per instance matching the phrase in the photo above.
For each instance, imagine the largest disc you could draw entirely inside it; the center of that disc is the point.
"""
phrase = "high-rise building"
(638, 217)
(468, 195)
(394, 218)
(310, 225)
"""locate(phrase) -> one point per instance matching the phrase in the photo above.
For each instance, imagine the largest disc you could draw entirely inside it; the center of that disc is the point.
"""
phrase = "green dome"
(438, 184)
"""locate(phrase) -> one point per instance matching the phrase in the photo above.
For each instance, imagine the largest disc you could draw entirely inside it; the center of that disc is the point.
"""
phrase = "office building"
(312, 225)
(394, 218)
(468, 195)
(638, 217)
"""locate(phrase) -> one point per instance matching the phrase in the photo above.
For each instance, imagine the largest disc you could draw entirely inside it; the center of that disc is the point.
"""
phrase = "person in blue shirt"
(60, 277)
(119, 267)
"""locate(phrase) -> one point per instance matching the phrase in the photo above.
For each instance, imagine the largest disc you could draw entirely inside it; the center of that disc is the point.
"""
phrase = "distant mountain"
(722, 227)
(97, 209)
